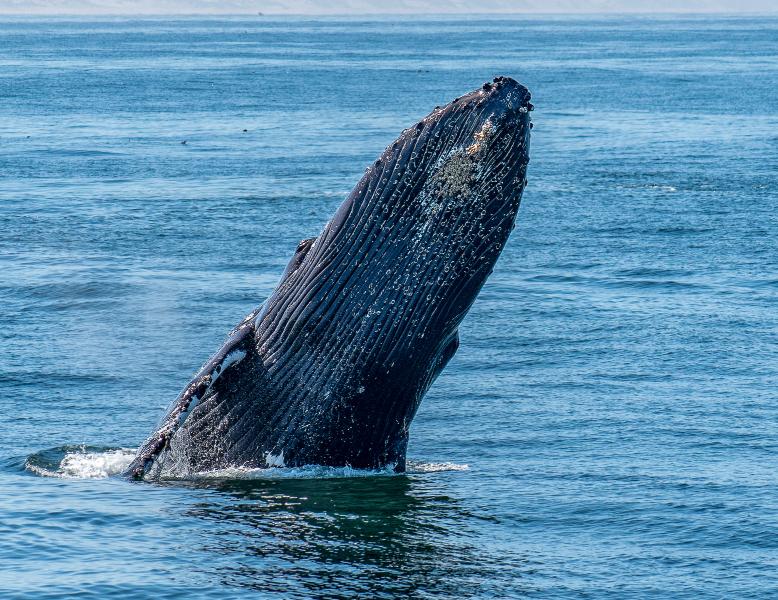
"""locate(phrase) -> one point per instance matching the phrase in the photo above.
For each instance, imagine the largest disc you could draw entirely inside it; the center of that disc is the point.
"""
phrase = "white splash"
(88, 465)
(322, 472)
(414, 467)
(306, 472)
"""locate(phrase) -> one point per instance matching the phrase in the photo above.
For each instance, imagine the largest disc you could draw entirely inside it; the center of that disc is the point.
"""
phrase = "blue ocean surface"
(608, 428)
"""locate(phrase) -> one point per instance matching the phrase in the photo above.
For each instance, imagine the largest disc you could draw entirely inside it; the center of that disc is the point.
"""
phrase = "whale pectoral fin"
(451, 349)
(448, 352)
(205, 384)
(299, 255)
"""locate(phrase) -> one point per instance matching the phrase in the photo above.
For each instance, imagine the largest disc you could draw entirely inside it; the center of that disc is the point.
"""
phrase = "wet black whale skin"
(332, 368)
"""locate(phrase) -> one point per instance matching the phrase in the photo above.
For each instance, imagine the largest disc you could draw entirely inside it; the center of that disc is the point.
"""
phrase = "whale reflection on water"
(306, 532)
(312, 531)
(384, 536)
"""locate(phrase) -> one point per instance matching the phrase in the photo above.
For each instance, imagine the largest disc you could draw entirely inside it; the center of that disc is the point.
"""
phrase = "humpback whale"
(331, 369)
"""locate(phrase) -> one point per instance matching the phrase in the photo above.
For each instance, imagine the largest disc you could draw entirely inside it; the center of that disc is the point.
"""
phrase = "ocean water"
(608, 426)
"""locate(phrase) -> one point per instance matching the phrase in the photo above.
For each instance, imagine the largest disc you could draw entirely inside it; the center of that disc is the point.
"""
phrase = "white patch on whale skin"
(232, 358)
(275, 460)
(185, 413)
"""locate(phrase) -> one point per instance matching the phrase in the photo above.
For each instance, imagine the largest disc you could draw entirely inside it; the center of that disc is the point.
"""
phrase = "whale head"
(369, 318)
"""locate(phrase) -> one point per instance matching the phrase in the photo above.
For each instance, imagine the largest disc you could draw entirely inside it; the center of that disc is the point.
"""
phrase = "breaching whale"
(331, 369)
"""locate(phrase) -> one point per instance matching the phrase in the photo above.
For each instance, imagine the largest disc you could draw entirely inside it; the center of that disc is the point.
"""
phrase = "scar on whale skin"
(331, 369)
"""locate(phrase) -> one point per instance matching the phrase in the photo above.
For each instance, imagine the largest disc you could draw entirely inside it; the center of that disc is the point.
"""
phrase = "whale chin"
(332, 368)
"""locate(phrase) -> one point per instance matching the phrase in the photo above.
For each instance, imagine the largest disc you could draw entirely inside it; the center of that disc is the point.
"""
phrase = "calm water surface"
(608, 426)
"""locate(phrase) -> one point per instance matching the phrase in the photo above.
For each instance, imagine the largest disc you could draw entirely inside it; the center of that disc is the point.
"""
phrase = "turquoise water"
(608, 426)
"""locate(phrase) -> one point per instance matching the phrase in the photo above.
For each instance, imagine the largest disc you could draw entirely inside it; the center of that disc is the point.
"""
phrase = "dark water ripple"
(607, 428)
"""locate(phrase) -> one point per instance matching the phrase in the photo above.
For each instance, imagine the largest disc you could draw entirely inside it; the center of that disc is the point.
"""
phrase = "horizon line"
(637, 12)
